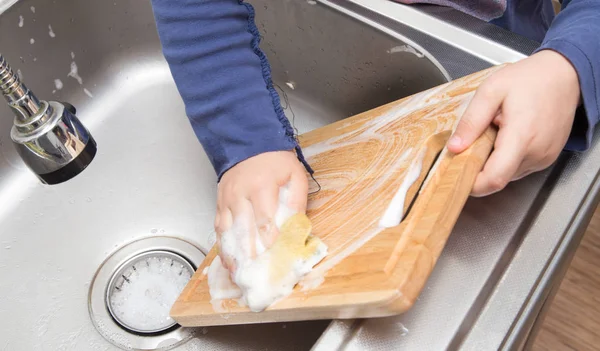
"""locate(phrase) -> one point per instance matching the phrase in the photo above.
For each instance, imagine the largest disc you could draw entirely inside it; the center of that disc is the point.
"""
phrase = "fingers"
(248, 201)
(480, 113)
(298, 191)
(244, 227)
(503, 163)
(265, 204)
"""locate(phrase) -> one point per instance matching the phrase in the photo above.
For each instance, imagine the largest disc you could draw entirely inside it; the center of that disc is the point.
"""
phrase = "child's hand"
(248, 193)
(533, 103)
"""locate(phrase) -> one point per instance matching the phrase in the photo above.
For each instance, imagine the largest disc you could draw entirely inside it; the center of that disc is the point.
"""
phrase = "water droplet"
(88, 199)
(153, 230)
(72, 201)
(8, 247)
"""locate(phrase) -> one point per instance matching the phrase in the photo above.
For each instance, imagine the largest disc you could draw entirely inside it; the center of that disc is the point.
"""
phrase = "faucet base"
(73, 168)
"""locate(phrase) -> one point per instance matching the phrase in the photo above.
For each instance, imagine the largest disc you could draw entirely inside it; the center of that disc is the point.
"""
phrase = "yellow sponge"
(295, 242)
(273, 274)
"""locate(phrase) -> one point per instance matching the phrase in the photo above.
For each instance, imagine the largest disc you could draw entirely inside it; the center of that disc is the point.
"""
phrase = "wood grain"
(360, 164)
(573, 320)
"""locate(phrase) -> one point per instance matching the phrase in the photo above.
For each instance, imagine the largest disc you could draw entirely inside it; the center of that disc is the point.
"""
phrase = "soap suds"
(72, 55)
(31, 41)
(317, 276)
(51, 32)
(395, 210)
(21, 21)
(345, 190)
(220, 285)
(251, 283)
(58, 84)
(350, 188)
(151, 289)
(32, 8)
(74, 73)
(405, 48)
(87, 92)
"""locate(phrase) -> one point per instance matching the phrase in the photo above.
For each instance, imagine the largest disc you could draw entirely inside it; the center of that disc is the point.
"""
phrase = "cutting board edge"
(394, 304)
(418, 283)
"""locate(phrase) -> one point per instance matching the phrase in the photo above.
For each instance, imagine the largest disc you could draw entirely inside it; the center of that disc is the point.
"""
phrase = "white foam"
(395, 210)
(21, 21)
(58, 84)
(32, 8)
(144, 302)
(31, 41)
(220, 285)
(74, 73)
(255, 281)
(51, 32)
(251, 283)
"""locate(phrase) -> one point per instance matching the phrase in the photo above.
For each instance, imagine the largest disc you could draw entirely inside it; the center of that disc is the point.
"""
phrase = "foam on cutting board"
(270, 275)
(395, 211)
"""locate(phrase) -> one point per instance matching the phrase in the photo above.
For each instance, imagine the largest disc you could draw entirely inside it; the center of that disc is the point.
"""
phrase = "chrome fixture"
(47, 135)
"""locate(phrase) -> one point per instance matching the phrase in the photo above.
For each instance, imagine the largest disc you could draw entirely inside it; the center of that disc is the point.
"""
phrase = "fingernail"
(454, 141)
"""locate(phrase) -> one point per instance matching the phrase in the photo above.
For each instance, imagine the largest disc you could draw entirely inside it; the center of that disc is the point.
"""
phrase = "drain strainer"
(142, 290)
(134, 289)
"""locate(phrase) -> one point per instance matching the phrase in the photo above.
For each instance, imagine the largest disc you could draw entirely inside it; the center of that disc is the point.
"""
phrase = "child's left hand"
(533, 103)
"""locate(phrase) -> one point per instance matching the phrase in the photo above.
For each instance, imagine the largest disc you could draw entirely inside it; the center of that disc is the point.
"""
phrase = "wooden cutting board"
(364, 163)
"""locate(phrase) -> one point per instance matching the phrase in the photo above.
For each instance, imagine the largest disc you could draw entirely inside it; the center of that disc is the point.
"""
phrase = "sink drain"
(134, 289)
(142, 291)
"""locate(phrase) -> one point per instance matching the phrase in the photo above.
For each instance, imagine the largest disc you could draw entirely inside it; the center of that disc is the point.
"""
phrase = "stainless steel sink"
(151, 178)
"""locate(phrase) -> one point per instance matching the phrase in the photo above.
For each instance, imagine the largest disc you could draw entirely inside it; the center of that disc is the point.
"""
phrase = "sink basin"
(151, 180)
(150, 176)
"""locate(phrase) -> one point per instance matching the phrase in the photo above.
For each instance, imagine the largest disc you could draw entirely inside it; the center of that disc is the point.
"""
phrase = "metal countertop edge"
(527, 283)
(444, 31)
(549, 282)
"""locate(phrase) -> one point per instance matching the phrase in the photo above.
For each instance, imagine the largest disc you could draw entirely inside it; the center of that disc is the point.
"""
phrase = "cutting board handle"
(442, 198)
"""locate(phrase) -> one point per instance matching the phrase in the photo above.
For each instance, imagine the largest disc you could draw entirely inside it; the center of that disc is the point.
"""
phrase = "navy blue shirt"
(224, 79)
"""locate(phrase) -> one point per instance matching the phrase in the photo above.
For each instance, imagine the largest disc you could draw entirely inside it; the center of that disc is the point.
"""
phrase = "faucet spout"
(18, 96)
(48, 136)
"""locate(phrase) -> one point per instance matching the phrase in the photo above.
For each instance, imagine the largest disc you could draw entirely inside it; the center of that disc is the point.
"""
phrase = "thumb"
(480, 113)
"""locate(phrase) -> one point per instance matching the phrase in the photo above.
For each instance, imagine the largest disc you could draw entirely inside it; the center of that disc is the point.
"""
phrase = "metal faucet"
(50, 139)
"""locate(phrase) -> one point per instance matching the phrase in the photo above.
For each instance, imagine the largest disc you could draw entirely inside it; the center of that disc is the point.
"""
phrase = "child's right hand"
(248, 194)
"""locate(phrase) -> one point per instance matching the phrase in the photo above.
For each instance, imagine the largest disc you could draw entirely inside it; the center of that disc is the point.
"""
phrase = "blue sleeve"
(575, 33)
(224, 79)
